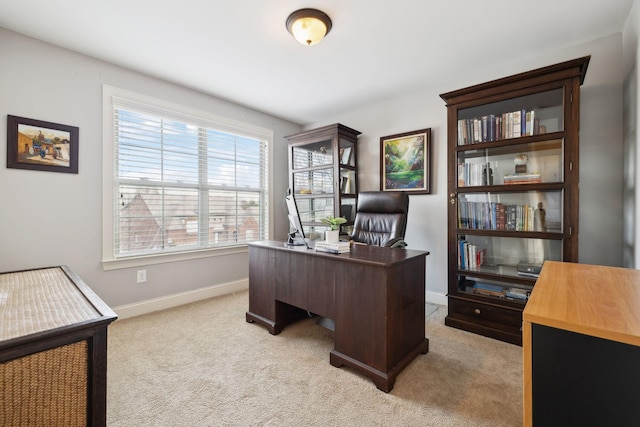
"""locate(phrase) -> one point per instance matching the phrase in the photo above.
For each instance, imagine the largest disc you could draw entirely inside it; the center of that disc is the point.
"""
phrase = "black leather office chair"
(381, 218)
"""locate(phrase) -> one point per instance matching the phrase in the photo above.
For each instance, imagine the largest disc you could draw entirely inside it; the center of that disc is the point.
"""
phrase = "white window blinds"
(182, 183)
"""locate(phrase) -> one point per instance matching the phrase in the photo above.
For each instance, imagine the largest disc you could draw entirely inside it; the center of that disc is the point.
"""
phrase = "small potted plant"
(333, 234)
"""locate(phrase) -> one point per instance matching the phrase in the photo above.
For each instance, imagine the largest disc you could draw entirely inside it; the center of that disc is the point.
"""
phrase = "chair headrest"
(383, 202)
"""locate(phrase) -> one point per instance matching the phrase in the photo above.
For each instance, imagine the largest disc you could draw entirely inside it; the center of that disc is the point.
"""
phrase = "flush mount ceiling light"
(308, 26)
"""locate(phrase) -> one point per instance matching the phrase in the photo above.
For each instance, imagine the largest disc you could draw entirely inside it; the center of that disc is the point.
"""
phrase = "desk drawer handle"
(476, 311)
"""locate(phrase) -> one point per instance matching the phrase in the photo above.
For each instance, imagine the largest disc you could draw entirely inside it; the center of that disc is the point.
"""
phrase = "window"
(183, 181)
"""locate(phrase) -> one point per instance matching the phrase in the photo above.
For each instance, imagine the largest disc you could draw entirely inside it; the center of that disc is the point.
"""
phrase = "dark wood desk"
(375, 296)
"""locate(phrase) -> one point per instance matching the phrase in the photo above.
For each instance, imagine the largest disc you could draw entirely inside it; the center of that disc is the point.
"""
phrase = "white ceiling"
(240, 50)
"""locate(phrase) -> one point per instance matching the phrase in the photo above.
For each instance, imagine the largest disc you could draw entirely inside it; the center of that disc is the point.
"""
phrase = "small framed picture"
(39, 145)
(405, 162)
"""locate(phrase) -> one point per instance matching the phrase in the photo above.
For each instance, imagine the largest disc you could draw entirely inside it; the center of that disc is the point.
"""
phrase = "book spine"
(501, 217)
(516, 128)
(484, 120)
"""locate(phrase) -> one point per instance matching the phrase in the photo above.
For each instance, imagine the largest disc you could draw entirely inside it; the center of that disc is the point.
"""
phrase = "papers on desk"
(334, 248)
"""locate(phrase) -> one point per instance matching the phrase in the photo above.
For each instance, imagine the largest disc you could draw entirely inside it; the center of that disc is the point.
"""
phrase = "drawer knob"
(476, 311)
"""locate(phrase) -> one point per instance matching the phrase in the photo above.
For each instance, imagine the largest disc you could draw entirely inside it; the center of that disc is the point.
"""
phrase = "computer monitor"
(296, 233)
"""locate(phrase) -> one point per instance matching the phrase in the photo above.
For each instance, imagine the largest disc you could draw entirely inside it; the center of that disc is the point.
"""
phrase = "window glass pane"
(180, 152)
(153, 219)
(221, 172)
(139, 153)
(184, 186)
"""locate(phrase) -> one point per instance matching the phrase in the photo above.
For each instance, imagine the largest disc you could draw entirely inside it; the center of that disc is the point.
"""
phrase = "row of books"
(495, 216)
(494, 127)
(470, 256)
(334, 248)
(516, 294)
(474, 174)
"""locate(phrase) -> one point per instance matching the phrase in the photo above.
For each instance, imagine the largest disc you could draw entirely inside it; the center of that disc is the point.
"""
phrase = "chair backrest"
(381, 217)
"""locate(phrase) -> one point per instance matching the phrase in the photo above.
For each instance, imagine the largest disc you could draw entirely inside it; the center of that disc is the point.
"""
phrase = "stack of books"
(487, 289)
(518, 294)
(529, 269)
(522, 178)
(335, 248)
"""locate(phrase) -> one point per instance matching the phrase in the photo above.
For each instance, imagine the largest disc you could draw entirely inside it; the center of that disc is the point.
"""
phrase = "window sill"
(139, 261)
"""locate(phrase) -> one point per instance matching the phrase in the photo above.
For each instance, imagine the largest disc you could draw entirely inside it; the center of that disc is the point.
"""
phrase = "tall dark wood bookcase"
(513, 173)
(323, 175)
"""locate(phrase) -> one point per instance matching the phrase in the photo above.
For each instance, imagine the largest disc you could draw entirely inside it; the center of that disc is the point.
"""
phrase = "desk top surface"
(589, 299)
(358, 253)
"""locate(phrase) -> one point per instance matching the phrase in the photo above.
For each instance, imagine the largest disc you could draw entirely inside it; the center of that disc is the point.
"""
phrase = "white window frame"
(122, 96)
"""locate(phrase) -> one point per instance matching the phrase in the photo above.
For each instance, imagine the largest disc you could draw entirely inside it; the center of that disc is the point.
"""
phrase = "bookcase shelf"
(513, 192)
(323, 176)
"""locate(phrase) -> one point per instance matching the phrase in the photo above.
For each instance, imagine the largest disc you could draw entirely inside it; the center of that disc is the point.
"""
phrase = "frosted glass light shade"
(308, 26)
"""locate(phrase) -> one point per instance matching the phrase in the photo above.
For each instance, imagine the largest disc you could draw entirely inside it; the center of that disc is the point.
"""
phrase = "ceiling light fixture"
(308, 26)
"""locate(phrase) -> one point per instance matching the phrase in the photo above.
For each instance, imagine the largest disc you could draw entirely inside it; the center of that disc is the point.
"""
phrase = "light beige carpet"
(202, 365)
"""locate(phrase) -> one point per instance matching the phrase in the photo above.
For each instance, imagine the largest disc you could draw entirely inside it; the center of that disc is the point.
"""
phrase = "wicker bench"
(53, 350)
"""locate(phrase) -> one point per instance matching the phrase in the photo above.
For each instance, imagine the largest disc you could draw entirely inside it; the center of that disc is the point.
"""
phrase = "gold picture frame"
(405, 162)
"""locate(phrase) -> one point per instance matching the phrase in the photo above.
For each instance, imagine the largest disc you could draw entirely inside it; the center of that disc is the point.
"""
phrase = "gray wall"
(50, 218)
(632, 156)
(601, 154)
(41, 81)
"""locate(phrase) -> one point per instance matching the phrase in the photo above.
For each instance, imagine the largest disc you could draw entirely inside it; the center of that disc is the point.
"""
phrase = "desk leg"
(380, 319)
(270, 324)
(384, 381)
(281, 315)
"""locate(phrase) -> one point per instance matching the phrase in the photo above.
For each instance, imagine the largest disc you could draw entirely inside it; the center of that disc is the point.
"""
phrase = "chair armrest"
(398, 242)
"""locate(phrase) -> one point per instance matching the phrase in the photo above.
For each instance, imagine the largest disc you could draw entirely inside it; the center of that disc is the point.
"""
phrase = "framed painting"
(39, 145)
(405, 162)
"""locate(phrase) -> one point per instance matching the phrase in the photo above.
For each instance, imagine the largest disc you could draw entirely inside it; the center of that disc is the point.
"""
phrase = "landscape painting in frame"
(39, 145)
(405, 162)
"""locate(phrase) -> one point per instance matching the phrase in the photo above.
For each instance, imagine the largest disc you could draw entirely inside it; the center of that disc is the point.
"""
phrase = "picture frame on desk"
(405, 162)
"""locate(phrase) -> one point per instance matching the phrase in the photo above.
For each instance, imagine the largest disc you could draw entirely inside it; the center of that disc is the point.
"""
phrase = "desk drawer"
(486, 314)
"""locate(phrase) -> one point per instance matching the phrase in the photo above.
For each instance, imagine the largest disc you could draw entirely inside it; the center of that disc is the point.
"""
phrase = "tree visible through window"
(181, 184)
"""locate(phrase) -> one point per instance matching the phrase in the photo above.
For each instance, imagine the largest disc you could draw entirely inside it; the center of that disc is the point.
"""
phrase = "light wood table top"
(593, 300)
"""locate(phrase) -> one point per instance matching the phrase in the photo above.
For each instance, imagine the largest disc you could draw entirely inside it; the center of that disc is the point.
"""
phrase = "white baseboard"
(168, 301)
(435, 298)
(149, 306)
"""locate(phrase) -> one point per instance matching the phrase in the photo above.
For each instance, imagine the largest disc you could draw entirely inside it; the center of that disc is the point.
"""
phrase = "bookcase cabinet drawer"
(485, 314)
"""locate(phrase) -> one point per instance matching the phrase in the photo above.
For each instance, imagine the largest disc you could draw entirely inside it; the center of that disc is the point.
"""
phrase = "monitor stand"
(292, 241)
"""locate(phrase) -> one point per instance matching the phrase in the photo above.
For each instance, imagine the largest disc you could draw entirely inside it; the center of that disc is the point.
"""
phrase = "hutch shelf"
(513, 192)
(323, 176)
